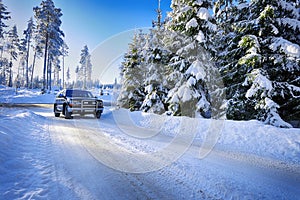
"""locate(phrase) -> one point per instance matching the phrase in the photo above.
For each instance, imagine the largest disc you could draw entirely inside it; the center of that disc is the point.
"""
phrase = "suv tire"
(67, 113)
(98, 114)
(57, 114)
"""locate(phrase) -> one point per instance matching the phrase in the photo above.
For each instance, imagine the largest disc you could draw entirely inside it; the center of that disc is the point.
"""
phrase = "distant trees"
(68, 75)
(65, 52)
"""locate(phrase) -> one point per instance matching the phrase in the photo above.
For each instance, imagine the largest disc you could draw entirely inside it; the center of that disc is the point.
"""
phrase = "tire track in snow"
(64, 143)
(97, 143)
(96, 181)
(151, 183)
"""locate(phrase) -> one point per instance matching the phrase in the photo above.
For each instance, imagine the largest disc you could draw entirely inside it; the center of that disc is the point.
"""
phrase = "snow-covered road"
(86, 158)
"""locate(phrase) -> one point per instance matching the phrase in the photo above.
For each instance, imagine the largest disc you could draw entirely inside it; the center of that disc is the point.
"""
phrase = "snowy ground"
(140, 156)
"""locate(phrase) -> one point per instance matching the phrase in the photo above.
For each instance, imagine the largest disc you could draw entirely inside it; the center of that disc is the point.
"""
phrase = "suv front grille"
(88, 104)
(83, 104)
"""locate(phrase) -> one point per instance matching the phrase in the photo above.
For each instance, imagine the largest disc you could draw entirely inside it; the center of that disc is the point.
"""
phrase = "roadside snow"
(251, 137)
(24, 96)
(26, 170)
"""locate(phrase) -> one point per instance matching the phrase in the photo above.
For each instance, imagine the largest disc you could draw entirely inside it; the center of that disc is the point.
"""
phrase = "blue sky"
(91, 22)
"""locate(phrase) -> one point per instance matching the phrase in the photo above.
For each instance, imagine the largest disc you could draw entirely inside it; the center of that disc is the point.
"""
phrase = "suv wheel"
(98, 114)
(57, 114)
(67, 113)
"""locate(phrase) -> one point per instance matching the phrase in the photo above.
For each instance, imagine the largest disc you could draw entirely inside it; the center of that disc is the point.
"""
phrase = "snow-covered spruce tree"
(68, 77)
(271, 43)
(65, 52)
(133, 74)
(231, 19)
(4, 15)
(49, 34)
(56, 43)
(156, 58)
(191, 27)
(85, 69)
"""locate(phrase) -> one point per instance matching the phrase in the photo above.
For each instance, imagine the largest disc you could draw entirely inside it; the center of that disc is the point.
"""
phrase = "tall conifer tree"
(132, 93)
(49, 34)
(192, 27)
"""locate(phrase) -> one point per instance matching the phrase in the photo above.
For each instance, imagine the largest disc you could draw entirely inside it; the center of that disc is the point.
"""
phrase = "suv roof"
(78, 93)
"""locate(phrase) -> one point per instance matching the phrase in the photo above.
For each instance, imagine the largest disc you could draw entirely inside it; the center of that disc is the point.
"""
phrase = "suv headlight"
(100, 103)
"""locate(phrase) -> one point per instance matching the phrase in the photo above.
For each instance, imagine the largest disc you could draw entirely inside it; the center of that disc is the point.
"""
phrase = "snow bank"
(251, 137)
(24, 96)
(25, 169)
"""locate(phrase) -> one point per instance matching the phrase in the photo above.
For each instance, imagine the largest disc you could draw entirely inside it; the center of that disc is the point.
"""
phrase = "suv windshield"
(78, 93)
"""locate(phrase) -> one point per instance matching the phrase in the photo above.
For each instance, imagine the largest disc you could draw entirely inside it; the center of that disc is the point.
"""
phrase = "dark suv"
(73, 101)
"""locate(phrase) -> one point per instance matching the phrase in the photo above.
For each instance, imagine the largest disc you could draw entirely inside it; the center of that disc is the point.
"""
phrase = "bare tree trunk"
(27, 63)
(1, 57)
(10, 74)
(63, 71)
(33, 64)
(45, 63)
(1, 65)
(50, 73)
(49, 64)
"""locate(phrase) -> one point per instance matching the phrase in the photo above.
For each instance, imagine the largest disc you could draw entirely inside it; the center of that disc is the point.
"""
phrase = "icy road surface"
(43, 157)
